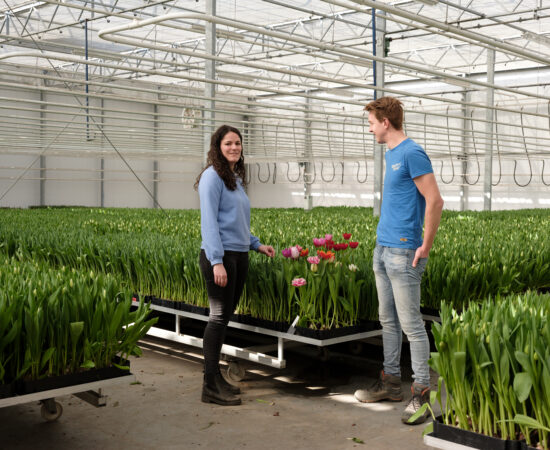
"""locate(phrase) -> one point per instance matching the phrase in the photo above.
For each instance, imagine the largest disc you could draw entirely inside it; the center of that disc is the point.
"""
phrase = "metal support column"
(246, 143)
(87, 79)
(42, 161)
(464, 153)
(489, 126)
(102, 160)
(308, 172)
(209, 73)
(379, 30)
(155, 162)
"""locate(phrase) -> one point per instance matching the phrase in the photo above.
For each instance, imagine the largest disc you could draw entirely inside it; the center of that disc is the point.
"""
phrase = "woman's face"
(231, 148)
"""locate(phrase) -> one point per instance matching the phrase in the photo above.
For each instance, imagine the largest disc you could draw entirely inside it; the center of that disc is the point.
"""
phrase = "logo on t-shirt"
(396, 166)
(403, 239)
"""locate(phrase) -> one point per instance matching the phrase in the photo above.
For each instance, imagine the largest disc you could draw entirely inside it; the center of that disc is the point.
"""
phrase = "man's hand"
(267, 250)
(220, 275)
(421, 252)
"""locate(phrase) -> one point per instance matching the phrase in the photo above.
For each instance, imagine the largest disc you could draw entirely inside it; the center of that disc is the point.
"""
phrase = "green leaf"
(428, 429)
(522, 386)
(418, 413)
(87, 364)
(527, 421)
(46, 357)
(459, 363)
(76, 330)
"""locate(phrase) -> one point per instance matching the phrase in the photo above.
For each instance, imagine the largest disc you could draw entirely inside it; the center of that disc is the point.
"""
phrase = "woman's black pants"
(223, 302)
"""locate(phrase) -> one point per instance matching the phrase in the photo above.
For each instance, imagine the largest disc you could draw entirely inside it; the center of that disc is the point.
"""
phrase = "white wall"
(75, 180)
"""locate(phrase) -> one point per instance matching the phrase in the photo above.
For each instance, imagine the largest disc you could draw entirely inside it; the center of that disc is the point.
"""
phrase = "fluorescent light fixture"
(355, 61)
(534, 37)
(429, 2)
(22, 8)
(339, 92)
(464, 84)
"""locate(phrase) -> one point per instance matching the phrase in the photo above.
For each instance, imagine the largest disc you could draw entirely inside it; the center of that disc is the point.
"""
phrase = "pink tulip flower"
(297, 282)
(314, 260)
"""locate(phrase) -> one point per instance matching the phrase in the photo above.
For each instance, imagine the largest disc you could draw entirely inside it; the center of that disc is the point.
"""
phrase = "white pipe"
(107, 34)
(507, 48)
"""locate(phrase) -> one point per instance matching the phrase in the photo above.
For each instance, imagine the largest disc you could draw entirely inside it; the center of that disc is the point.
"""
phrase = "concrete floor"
(309, 405)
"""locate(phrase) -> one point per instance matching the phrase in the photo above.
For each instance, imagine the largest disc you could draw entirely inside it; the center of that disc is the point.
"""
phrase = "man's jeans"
(398, 286)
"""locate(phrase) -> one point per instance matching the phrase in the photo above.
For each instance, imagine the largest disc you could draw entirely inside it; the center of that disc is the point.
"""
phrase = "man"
(411, 198)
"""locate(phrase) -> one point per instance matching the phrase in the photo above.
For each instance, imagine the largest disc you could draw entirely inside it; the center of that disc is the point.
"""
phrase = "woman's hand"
(220, 275)
(267, 250)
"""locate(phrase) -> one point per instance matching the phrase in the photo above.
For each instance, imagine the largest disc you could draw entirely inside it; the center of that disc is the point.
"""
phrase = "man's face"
(379, 129)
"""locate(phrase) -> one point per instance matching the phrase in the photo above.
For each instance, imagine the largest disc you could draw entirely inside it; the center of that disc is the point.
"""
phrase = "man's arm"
(427, 186)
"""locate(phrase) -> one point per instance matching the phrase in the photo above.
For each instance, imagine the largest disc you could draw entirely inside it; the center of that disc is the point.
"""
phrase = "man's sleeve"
(418, 162)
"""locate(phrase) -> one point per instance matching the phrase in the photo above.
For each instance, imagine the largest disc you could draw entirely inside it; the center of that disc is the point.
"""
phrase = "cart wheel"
(235, 371)
(355, 347)
(46, 413)
(324, 354)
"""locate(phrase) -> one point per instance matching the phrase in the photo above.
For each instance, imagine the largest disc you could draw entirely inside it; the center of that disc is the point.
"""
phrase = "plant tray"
(7, 390)
(247, 319)
(472, 439)
(362, 327)
(429, 311)
(72, 379)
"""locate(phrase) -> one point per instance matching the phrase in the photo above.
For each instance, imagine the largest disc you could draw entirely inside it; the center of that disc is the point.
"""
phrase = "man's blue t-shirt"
(403, 207)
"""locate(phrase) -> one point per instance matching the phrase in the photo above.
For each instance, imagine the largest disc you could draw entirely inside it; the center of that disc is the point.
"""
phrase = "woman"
(226, 240)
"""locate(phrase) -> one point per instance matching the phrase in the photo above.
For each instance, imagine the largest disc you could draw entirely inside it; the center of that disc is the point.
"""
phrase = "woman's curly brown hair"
(221, 166)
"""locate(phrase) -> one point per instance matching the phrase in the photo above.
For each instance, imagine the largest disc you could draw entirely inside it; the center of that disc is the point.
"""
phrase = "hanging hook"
(366, 172)
(288, 174)
(542, 175)
(475, 152)
(343, 141)
(342, 163)
(263, 137)
(526, 153)
(274, 172)
(498, 148)
(450, 154)
(425, 133)
(333, 172)
(364, 140)
(247, 174)
(268, 173)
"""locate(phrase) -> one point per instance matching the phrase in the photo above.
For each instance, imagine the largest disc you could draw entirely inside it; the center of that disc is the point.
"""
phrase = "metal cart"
(52, 410)
(257, 354)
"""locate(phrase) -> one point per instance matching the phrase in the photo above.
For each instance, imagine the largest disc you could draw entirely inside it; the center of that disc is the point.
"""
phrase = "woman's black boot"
(212, 393)
(223, 384)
